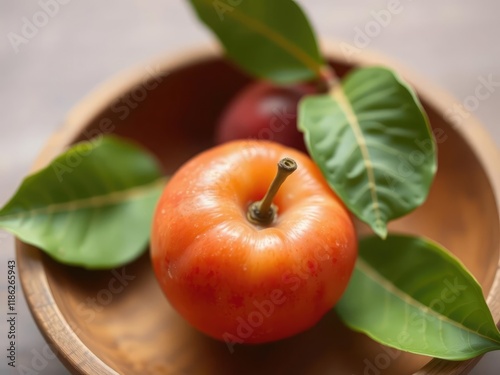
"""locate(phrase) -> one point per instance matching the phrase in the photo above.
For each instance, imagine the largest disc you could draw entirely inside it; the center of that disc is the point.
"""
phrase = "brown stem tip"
(263, 212)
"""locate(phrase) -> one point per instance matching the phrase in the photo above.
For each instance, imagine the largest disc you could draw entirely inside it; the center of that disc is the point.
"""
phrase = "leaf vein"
(109, 199)
(278, 39)
(390, 287)
(352, 120)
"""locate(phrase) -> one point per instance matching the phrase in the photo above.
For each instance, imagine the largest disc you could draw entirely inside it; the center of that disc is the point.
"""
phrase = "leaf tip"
(380, 228)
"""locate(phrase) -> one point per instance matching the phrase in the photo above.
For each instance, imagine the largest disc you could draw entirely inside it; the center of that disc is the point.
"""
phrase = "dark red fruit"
(264, 111)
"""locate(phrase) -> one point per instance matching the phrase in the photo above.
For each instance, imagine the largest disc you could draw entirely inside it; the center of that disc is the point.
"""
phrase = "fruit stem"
(263, 212)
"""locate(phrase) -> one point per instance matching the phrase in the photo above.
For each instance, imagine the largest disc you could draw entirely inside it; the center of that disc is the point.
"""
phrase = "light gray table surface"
(452, 43)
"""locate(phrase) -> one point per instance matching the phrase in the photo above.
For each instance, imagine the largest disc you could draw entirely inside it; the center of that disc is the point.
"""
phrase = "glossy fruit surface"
(241, 282)
(264, 111)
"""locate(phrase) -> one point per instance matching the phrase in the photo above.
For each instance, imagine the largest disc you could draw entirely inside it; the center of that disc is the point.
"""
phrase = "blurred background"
(46, 70)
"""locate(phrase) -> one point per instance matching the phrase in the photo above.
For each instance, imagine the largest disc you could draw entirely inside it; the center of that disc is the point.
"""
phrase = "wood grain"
(126, 326)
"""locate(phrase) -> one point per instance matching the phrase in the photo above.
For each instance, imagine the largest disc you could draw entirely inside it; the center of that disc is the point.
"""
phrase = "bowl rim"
(76, 356)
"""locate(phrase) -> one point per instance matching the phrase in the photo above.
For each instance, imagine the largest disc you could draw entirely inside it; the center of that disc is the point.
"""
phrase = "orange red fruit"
(238, 281)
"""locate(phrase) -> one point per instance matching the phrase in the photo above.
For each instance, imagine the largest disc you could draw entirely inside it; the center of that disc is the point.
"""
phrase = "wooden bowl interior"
(122, 316)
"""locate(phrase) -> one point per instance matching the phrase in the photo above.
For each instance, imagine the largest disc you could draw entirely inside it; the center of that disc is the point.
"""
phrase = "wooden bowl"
(109, 322)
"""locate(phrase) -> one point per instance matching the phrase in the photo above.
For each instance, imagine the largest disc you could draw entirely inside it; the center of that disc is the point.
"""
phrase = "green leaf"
(411, 294)
(91, 207)
(372, 141)
(268, 39)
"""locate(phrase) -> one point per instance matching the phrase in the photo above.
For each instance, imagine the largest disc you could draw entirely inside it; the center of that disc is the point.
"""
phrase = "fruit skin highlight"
(237, 281)
(264, 111)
